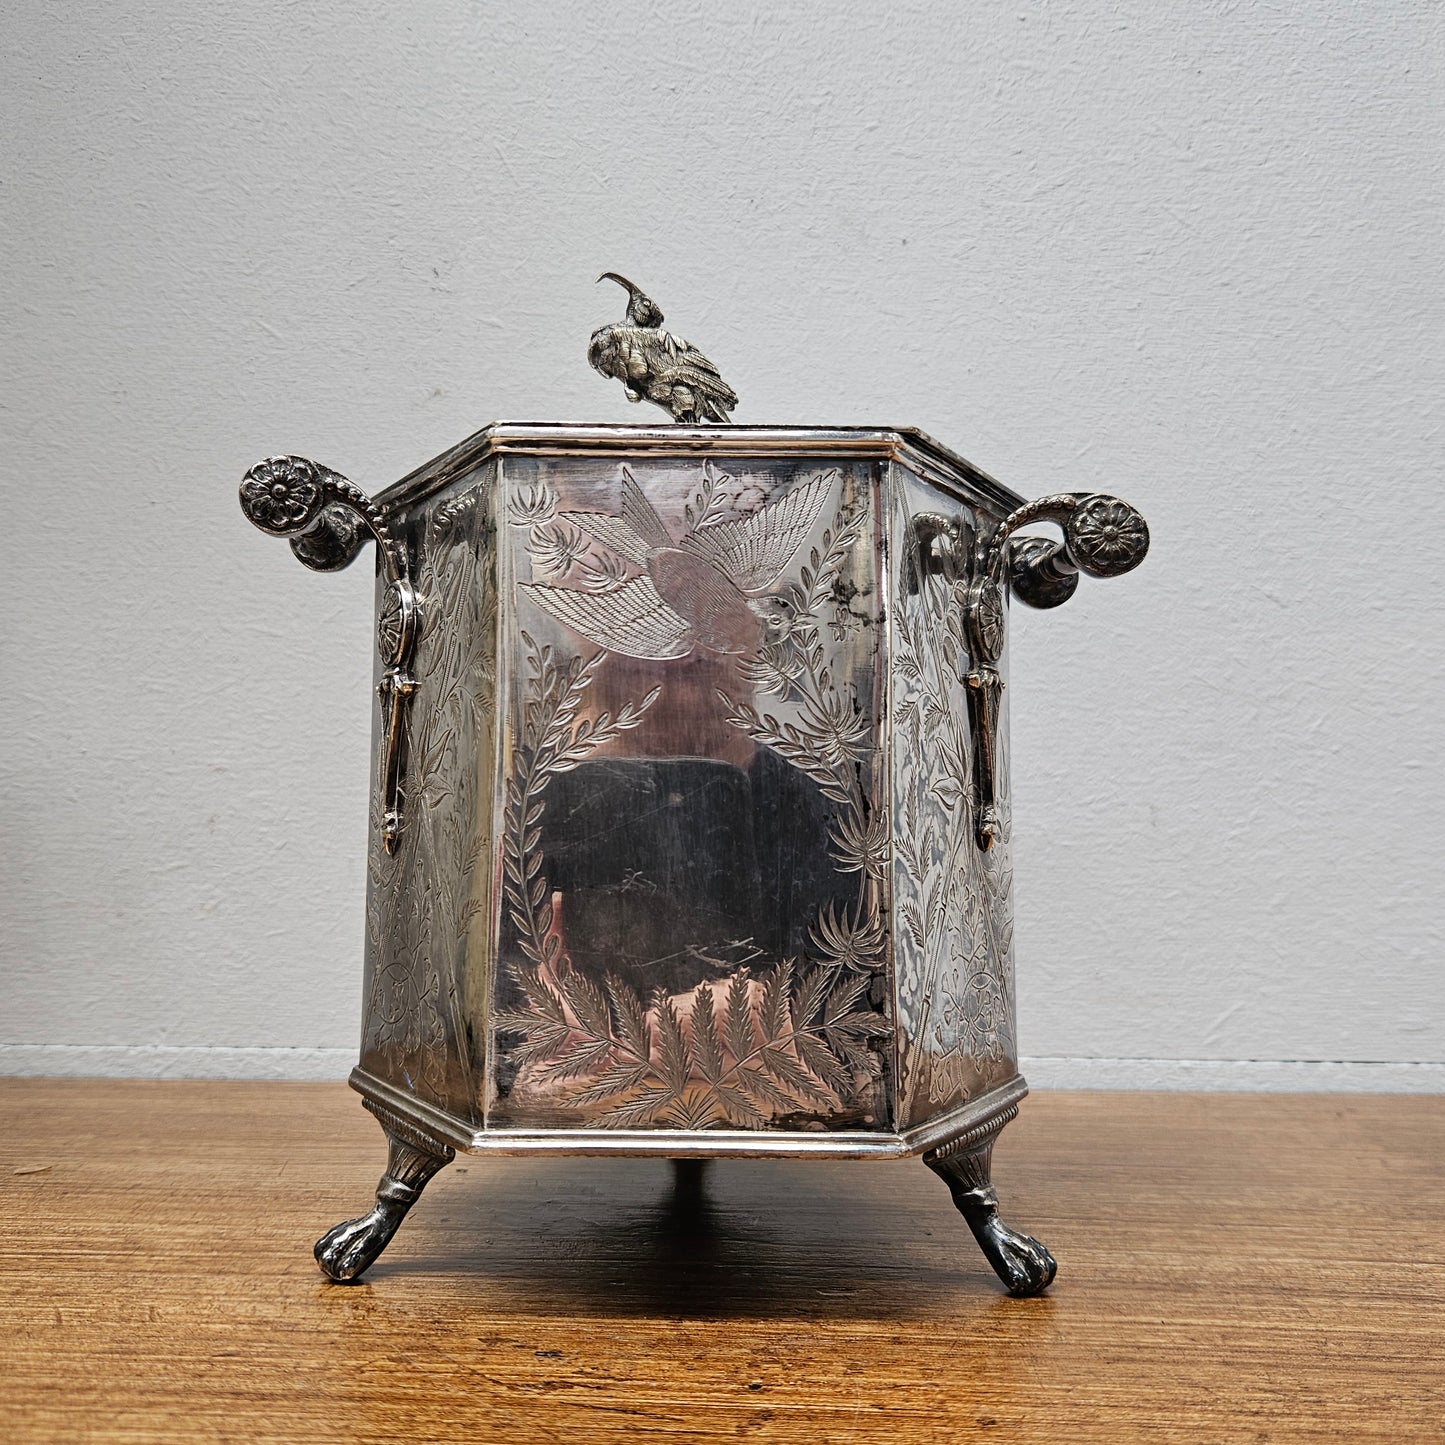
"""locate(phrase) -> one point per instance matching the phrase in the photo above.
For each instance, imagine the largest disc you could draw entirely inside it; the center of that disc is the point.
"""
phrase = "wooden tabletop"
(1231, 1267)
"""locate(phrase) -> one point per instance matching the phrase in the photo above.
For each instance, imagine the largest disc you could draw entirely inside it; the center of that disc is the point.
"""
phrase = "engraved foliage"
(778, 1042)
(424, 900)
(954, 934)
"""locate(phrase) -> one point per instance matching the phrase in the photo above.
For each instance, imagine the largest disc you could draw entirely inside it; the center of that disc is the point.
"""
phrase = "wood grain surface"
(1231, 1267)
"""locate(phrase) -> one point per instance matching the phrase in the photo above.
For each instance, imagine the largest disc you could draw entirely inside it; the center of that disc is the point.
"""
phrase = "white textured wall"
(1188, 252)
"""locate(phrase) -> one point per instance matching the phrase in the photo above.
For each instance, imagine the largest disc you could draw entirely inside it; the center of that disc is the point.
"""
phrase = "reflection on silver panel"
(694, 838)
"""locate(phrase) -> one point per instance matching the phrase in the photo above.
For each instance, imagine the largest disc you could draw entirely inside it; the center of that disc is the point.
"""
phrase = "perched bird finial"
(656, 366)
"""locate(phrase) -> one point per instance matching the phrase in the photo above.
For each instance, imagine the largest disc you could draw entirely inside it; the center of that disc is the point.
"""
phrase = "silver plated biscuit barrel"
(691, 826)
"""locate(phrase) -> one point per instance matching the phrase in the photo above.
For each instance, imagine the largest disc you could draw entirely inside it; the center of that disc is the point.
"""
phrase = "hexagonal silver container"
(691, 830)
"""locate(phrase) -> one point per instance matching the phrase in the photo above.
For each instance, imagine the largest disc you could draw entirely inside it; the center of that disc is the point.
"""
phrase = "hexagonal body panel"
(687, 862)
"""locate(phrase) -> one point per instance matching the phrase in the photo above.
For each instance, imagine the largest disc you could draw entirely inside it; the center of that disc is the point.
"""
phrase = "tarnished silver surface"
(704, 842)
(952, 903)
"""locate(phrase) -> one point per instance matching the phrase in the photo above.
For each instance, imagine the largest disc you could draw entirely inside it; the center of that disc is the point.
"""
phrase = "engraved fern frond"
(741, 1055)
(706, 1046)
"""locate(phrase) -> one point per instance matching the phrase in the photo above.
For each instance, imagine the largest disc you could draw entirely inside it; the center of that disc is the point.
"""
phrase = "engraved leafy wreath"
(743, 1051)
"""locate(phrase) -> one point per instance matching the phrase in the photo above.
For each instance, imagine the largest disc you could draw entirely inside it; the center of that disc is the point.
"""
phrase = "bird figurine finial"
(655, 366)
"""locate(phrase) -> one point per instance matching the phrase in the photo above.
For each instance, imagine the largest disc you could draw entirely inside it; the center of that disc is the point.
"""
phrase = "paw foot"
(1020, 1261)
(350, 1249)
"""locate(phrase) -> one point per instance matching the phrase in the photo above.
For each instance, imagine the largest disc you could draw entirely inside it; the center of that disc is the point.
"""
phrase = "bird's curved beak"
(621, 280)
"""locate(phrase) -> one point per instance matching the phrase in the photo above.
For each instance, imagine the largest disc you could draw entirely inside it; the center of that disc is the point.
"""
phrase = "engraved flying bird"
(703, 590)
(656, 366)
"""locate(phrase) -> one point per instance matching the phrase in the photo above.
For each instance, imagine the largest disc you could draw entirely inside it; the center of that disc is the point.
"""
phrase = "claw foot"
(1023, 1264)
(350, 1249)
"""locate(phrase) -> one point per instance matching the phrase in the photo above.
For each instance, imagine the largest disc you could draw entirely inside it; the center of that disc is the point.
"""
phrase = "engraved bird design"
(656, 366)
(703, 590)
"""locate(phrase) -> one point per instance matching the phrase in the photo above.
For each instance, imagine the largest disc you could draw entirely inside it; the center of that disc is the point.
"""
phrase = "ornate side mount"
(1102, 536)
(328, 519)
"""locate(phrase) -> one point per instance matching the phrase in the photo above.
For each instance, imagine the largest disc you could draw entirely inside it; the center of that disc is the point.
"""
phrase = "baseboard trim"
(1265, 1076)
(195, 1061)
(173, 1061)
